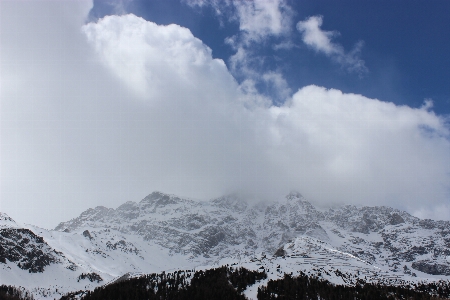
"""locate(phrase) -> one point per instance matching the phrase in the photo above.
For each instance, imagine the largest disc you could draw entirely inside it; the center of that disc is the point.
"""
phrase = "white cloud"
(151, 59)
(279, 84)
(350, 148)
(321, 41)
(257, 19)
(133, 107)
(316, 38)
(286, 45)
(244, 64)
(119, 6)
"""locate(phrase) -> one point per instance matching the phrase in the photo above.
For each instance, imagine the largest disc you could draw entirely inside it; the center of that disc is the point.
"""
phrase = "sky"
(104, 102)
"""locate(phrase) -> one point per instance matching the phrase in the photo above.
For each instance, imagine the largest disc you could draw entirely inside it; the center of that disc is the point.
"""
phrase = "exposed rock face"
(396, 219)
(280, 252)
(29, 251)
(91, 277)
(87, 234)
(367, 219)
(431, 267)
(206, 228)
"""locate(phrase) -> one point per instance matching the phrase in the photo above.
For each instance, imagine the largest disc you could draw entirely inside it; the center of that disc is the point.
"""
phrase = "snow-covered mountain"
(165, 232)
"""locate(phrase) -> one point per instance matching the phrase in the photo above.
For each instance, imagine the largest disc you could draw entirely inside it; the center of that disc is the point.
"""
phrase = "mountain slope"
(228, 226)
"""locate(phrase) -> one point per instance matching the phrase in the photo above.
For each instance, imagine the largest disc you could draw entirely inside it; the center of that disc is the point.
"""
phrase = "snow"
(7, 222)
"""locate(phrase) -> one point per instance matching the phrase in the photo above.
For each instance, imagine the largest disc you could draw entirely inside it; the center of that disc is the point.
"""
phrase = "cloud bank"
(124, 106)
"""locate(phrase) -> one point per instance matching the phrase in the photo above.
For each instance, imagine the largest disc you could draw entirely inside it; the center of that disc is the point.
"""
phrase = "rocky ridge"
(229, 226)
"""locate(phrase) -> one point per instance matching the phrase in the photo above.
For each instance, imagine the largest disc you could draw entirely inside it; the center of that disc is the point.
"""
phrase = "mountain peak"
(294, 195)
(159, 199)
(7, 222)
(155, 195)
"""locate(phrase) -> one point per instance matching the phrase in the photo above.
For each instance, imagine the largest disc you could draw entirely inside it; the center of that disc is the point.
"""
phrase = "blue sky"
(105, 102)
(405, 44)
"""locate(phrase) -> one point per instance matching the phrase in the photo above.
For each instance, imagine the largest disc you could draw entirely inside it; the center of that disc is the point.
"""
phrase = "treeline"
(228, 284)
(220, 283)
(304, 287)
(8, 292)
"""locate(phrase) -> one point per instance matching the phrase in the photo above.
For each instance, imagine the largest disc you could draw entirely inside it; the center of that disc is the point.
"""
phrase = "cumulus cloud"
(321, 41)
(130, 106)
(278, 83)
(152, 58)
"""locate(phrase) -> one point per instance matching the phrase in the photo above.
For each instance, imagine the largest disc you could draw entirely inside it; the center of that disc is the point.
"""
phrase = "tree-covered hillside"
(228, 284)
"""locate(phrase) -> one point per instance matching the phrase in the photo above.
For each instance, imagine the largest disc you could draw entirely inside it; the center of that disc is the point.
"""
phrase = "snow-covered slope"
(27, 260)
(214, 229)
(7, 222)
(165, 232)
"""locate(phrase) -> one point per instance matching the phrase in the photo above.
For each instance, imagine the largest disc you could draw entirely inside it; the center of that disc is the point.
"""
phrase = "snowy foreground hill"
(167, 233)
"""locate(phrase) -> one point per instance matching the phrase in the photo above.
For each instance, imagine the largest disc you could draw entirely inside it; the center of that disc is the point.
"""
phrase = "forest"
(229, 283)
(304, 287)
(8, 292)
(221, 283)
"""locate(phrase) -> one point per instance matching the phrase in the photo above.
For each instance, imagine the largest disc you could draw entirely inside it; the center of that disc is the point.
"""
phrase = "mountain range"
(166, 233)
